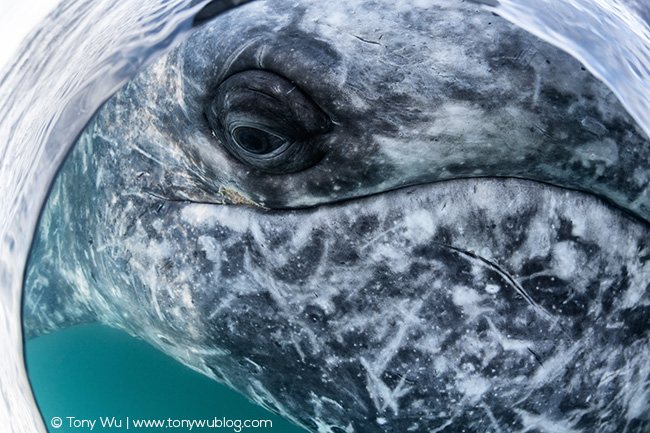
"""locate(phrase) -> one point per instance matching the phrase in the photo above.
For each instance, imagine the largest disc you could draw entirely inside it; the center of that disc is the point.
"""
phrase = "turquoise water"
(95, 373)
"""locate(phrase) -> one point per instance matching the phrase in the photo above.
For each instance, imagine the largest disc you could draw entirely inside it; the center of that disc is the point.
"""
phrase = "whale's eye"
(257, 141)
(267, 122)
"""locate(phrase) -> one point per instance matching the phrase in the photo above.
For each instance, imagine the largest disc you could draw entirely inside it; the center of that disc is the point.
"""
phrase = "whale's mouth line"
(231, 196)
(554, 186)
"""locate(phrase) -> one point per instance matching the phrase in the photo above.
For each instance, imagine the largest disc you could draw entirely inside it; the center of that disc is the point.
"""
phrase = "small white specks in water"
(492, 288)
(381, 421)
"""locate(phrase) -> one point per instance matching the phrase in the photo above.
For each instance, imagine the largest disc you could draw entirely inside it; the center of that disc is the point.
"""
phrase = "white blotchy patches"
(456, 119)
(474, 387)
(635, 293)
(203, 215)
(358, 103)
(638, 406)
(538, 241)
(639, 397)
(543, 424)
(641, 177)
(579, 224)
(423, 4)
(468, 299)
(442, 364)
(604, 153)
(457, 122)
(398, 258)
(465, 297)
(420, 224)
(334, 19)
(565, 260)
(211, 248)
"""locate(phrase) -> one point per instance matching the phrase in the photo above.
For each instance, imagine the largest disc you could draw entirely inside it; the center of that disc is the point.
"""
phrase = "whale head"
(367, 216)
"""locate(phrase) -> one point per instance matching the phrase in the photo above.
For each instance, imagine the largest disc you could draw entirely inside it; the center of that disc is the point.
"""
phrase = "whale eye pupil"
(256, 141)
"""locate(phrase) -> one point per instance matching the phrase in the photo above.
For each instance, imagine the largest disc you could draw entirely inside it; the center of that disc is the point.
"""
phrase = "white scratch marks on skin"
(319, 400)
(40, 284)
(374, 240)
(555, 366)
(296, 344)
(202, 350)
(260, 395)
(444, 426)
(538, 87)
(318, 403)
(408, 320)
(382, 396)
(144, 153)
(493, 419)
(508, 343)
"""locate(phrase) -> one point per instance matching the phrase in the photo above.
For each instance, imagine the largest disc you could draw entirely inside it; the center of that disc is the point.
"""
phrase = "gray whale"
(367, 217)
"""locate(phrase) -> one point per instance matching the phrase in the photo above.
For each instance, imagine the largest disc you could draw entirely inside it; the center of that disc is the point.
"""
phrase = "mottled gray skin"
(451, 292)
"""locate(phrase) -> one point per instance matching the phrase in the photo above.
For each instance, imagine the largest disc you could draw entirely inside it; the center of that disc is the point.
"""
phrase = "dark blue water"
(94, 372)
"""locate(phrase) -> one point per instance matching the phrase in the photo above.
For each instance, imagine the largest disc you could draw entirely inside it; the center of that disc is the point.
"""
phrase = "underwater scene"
(352, 216)
(96, 373)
